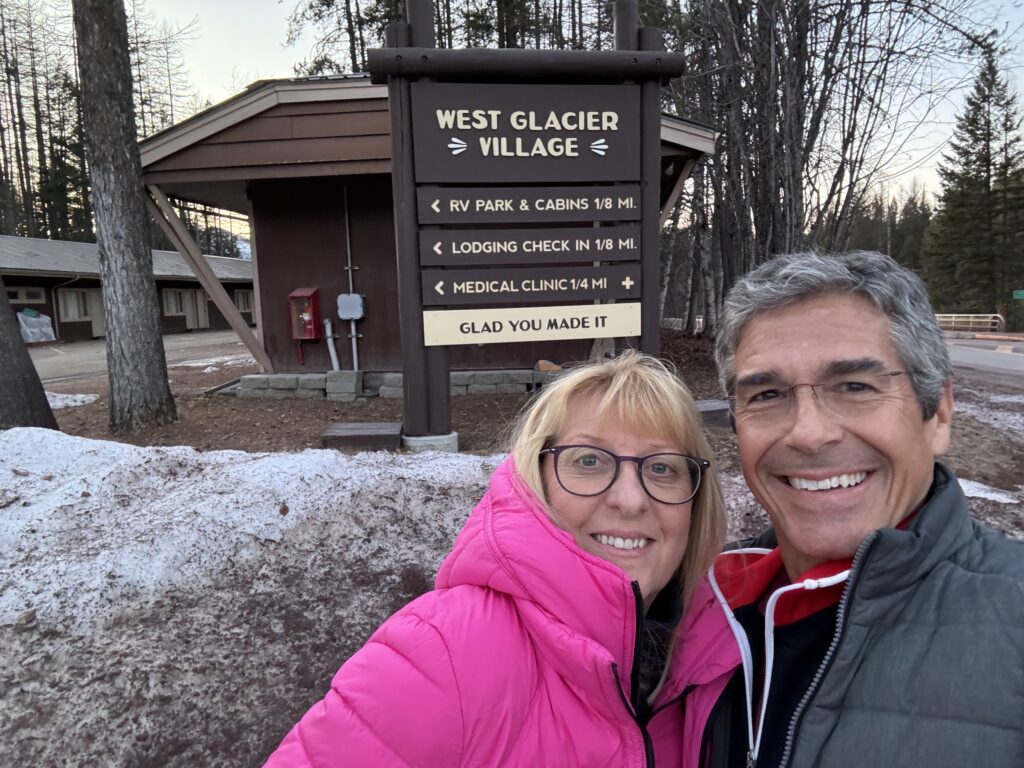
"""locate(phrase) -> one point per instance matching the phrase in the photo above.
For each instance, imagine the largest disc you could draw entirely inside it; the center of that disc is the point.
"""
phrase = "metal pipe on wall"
(351, 284)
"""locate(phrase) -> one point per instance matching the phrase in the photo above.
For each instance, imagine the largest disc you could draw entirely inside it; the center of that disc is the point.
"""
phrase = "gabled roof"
(35, 256)
(256, 98)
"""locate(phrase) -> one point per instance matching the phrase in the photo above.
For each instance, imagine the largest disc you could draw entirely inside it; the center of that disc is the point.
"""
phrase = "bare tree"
(22, 399)
(814, 101)
(140, 394)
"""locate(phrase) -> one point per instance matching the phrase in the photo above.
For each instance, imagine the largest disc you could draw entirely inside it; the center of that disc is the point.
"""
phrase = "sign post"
(526, 193)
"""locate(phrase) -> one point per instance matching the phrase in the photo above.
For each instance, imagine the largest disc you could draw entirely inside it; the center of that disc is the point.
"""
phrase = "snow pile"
(981, 491)
(58, 400)
(239, 360)
(90, 523)
(993, 411)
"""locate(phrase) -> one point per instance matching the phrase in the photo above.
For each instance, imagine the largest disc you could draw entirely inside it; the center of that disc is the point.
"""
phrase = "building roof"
(257, 98)
(331, 125)
(34, 256)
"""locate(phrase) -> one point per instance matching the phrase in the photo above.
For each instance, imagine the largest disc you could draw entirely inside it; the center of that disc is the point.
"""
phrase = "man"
(879, 625)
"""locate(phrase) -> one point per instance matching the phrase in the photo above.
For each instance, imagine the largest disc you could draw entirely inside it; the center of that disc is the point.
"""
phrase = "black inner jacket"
(655, 634)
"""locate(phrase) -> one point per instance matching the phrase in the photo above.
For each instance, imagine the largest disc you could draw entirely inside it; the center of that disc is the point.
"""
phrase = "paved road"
(84, 359)
(1004, 359)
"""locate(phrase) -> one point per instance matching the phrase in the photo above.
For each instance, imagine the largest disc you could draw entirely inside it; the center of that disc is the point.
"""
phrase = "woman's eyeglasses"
(586, 470)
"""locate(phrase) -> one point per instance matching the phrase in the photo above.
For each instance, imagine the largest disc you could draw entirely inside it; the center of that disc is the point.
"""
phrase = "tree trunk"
(139, 391)
(24, 402)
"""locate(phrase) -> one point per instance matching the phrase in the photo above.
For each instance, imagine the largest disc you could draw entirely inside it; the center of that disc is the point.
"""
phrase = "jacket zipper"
(826, 662)
(634, 676)
(743, 642)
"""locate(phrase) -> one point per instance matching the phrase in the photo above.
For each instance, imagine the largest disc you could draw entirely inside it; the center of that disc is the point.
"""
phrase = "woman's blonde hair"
(642, 391)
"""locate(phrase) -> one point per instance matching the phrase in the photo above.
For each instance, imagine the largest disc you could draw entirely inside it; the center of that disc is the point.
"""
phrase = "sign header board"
(472, 132)
(492, 326)
(489, 205)
(525, 285)
(1018, 295)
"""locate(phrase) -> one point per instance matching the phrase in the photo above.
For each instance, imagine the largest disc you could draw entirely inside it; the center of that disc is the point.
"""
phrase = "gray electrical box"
(350, 306)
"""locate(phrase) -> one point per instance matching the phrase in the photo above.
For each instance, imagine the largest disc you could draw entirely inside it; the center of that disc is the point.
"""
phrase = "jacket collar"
(900, 557)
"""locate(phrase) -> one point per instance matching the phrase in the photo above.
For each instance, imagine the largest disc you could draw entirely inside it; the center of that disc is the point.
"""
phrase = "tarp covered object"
(38, 328)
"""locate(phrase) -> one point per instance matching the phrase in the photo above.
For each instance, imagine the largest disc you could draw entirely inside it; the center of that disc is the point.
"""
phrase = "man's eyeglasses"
(847, 396)
(586, 470)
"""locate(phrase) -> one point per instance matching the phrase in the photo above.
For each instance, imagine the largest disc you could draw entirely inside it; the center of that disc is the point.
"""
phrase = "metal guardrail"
(991, 323)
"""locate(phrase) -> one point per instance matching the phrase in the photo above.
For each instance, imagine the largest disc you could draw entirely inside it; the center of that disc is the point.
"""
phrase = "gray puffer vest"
(927, 668)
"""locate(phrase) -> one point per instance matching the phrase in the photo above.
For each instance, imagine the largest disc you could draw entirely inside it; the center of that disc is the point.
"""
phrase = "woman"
(556, 634)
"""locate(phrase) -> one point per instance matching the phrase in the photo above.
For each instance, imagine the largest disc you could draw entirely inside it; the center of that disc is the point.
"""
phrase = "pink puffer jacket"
(521, 656)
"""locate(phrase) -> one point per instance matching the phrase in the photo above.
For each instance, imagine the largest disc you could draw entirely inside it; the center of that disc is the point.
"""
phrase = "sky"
(236, 42)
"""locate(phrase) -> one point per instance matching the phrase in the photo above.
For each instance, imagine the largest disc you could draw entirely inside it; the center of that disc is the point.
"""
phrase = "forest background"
(817, 106)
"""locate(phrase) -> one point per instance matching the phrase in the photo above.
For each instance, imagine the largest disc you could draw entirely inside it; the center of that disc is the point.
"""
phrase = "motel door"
(197, 309)
(94, 301)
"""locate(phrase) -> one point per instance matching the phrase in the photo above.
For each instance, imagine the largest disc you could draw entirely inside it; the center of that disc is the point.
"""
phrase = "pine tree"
(975, 233)
(139, 391)
(908, 229)
(24, 402)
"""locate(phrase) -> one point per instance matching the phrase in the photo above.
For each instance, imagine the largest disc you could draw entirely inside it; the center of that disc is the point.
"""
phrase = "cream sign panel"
(492, 326)
(511, 133)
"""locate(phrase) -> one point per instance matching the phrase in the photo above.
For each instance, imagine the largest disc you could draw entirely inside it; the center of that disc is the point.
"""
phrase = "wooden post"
(650, 39)
(160, 207)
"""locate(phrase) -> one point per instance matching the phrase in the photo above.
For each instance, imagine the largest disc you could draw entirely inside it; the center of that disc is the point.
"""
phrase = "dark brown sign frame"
(639, 65)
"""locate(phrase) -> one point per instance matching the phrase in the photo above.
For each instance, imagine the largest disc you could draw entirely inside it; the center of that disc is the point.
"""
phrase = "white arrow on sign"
(440, 287)
(437, 248)
(435, 206)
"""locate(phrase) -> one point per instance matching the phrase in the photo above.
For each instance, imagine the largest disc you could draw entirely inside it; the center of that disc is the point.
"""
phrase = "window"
(243, 300)
(26, 295)
(74, 304)
(174, 302)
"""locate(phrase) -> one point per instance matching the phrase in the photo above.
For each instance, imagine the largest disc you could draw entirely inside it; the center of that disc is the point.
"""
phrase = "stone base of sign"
(714, 413)
(446, 443)
(346, 386)
(373, 436)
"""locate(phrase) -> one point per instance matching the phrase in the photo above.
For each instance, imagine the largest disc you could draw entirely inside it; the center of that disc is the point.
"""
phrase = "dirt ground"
(989, 454)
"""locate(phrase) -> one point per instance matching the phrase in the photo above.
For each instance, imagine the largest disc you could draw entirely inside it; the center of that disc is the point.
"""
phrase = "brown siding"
(294, 133)
(299, 230)
(300, 235)
(373, 252)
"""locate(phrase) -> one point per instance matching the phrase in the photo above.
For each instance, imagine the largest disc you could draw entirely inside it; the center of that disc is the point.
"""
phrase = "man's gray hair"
(893, 289)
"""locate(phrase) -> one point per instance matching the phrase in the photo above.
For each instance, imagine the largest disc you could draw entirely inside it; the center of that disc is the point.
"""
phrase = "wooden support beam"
(677, 189)
(161, 210)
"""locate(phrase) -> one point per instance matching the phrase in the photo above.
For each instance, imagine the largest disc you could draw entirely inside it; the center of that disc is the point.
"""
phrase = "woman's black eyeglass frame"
(702, 465)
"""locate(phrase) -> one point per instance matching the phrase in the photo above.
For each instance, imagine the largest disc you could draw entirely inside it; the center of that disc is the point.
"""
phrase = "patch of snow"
(90, 524)
(228, 361)
(1019, 399)
(211, 369)
(982, 491)
(58, 400)
(1000, 418)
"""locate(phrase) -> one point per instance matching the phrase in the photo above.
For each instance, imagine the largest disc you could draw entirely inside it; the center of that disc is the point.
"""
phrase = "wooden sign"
(488, 205)
(472, 132)
(523, 285)
(487, 247)
(492, 326)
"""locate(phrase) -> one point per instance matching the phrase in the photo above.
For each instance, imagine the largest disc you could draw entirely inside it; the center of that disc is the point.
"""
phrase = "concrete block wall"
(346, 386)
